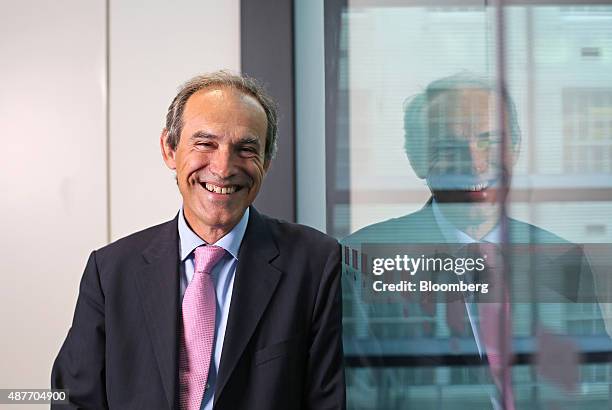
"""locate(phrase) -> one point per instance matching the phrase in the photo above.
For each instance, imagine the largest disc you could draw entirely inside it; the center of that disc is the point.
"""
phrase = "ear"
(168, 154)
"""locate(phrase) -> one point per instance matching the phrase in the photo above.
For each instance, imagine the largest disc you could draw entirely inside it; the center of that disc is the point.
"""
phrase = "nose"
(221, 163)
(479, 157)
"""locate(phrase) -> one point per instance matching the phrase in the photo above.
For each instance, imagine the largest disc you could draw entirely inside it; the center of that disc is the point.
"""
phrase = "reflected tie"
(496, 325)
(197, 338)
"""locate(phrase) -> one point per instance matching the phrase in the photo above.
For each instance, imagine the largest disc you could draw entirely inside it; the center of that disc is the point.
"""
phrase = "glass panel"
(435, 176)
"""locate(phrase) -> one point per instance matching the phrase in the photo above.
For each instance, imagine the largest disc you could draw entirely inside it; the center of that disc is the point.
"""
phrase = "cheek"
(260, 174)
(255, 170)
(189, 167)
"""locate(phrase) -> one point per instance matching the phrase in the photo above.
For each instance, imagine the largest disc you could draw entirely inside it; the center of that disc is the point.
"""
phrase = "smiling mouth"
(223, 190)
(476, 187)
(462, 183)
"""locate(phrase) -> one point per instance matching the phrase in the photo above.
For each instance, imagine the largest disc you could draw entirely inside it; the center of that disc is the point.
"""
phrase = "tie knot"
(206, 257)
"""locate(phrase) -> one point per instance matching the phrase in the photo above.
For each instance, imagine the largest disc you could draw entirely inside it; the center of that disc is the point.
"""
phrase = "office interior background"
(84, 87)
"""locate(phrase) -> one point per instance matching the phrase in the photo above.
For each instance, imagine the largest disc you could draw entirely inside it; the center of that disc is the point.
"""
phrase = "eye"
(204, 144)
(248, 151)
(483, 144)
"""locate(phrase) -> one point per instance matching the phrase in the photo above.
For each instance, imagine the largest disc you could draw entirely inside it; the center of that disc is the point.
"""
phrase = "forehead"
(462, 103)
(224, 107)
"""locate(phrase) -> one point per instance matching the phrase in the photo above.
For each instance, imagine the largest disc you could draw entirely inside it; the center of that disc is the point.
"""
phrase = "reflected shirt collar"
(230, 242)
(452, 234)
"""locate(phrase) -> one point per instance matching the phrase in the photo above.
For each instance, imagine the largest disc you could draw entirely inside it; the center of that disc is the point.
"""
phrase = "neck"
(476, 220)
(210, 234)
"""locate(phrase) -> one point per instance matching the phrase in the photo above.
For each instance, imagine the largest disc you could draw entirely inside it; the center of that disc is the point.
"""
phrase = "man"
(453, 143)
(221, 307)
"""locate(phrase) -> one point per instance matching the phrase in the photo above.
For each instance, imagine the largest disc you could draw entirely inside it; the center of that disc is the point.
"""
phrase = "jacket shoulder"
(416, 227)
(523, 232)
(137, 242)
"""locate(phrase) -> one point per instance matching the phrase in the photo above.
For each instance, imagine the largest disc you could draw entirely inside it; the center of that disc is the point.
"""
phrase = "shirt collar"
(452, 234)
(230, 242)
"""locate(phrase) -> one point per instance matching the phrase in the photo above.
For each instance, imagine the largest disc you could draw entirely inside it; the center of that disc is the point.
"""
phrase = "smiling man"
(221, 306)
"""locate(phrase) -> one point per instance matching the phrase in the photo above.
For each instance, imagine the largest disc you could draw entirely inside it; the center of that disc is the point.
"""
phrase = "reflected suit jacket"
(282, 346)
(562, 271)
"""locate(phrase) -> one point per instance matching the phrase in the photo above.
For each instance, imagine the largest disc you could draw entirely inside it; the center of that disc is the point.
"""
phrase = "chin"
(220, 219)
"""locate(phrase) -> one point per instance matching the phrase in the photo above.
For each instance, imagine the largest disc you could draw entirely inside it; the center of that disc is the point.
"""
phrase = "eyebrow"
(203, 135)
(243, 141)
(488, 134)
(249, 140)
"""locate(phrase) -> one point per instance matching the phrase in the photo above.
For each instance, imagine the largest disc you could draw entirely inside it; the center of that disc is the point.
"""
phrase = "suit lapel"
(254, 284)
(158, 289)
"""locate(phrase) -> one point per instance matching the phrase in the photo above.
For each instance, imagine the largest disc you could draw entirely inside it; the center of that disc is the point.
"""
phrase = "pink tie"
(500, 364)
(496, 326)
(197, 338)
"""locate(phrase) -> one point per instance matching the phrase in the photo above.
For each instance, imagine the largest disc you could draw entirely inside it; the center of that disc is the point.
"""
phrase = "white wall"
(156, 46)
(54, 177)
(52, 100)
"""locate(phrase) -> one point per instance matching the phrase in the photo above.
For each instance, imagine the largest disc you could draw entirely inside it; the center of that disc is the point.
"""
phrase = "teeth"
(477, 187)
(220, 190)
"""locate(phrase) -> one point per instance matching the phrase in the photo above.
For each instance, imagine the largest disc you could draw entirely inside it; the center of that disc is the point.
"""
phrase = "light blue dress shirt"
(223, 277)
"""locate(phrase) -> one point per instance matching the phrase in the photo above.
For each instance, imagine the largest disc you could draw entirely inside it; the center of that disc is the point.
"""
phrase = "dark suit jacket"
(282, 347)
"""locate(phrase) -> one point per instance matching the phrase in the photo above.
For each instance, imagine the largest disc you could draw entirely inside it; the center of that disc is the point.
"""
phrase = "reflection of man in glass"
(453, 143)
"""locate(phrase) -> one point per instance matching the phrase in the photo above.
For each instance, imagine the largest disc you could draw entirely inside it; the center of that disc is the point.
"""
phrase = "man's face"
(219, 160)
(464, 147)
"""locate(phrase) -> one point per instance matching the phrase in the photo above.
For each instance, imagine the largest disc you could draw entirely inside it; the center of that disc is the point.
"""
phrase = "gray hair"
(416, 125)
(222, 79)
